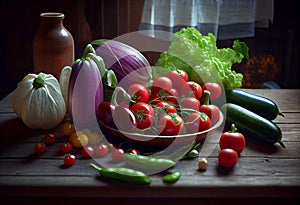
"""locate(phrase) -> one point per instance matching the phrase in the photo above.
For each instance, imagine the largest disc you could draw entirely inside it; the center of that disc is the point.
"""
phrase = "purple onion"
(123, 59)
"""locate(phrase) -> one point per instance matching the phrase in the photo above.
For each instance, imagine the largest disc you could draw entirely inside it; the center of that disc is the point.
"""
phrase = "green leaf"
(200, 57)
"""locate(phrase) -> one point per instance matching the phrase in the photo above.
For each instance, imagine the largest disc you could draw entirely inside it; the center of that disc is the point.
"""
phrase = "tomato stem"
(206, 97)
(233, 128)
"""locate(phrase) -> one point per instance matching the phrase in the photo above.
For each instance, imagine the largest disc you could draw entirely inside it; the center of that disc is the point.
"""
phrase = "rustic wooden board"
(263, 171)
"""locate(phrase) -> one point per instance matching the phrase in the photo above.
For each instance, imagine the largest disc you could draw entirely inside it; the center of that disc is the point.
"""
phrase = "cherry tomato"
(133, 151)
(212, 111)
(88, 151)
(101, 150)
(166, 107)
(170, 124)
(124, 119)
(49, 138)
(39, 147)
(172, 96)
(233, 140)
(161, 83)
(154, 99)
(191, 103)
(178, 77)
(228, 158)
(138, 92)
(69, 160)
(65, 147)
(111, 147)
(191, 88)
(68, 128)
(118, 154)
(214, 89)
(79, 139)
(144, 115)
(105, 110)
(197, 122)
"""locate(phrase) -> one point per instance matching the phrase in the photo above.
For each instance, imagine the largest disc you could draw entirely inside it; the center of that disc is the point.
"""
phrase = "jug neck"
(52, 20)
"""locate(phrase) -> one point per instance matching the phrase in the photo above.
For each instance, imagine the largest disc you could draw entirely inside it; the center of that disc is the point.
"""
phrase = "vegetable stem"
(206, 97)
(282, 144)
(233, 128)
(88, 49)
(39, 81)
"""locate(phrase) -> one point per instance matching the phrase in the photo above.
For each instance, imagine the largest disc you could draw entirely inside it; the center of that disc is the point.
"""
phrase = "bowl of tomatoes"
(171, 110)
(148, 140)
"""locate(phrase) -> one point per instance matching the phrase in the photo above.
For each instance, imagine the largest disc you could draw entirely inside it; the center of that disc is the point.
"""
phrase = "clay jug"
(53, 45)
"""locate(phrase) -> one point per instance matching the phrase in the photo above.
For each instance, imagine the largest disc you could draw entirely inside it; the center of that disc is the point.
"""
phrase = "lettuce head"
(199, 56)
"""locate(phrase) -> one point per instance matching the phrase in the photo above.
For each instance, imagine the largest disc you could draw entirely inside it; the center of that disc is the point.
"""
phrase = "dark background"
(94, 19)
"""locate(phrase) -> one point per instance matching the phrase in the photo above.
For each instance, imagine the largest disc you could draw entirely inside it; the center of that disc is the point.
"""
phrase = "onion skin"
(123, 60)
(85, 91)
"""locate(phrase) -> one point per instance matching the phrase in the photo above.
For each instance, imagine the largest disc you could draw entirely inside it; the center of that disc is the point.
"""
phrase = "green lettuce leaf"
(199, 56)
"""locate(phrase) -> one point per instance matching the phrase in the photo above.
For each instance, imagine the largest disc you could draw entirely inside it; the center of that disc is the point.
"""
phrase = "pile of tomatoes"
(83, 143)
(171, 105)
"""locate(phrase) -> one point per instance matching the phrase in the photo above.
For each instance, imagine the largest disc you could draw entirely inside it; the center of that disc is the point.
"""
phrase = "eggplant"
(85, 91)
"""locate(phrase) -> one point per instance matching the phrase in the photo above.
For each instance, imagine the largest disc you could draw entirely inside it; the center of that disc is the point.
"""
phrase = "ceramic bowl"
(151, 142)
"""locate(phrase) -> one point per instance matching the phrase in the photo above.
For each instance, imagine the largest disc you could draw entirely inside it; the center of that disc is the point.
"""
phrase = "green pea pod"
(123, 174)
(172, 177)
(148, 163)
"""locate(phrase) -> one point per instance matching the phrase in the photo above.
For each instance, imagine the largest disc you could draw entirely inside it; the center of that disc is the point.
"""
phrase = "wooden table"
(264, 173)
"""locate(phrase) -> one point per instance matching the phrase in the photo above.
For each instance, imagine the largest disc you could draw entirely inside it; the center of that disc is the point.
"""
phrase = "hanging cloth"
(226, 19)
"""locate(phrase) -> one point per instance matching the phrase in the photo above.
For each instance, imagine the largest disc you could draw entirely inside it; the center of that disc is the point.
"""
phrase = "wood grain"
(266, 173)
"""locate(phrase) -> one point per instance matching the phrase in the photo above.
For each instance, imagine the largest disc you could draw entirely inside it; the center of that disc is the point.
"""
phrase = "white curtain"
(226, 19)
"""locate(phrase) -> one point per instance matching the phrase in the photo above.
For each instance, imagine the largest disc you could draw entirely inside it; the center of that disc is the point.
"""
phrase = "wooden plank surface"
(263, 171)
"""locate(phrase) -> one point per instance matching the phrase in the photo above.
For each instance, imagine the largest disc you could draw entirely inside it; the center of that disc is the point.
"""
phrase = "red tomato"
(166, 107)
(212, 111)
(191, 103)
(170, 124)
(197, 122)
(39, 147)
(101, 150)
(172, 96)
(105, 110)
(161, 83)
(228, 158)
(65, 147)
(154, 99)
(144, 115)
(49, 138)
(191, 88)
(124, 119)
(178, 77)
(118, 154)
(214, 89)
(233, 140)
(133, 151)
(88, 151)
(69, 160)
(138, 92)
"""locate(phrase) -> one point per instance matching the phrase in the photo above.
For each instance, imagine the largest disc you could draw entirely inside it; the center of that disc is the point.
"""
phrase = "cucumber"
(255, 103)
(252, 124)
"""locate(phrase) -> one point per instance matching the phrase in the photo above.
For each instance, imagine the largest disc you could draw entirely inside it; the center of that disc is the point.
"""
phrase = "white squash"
(38, 101)
(64, 83)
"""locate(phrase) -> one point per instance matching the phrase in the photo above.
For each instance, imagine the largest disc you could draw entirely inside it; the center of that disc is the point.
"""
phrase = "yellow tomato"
(95, 139)
(68, 128)
(93, 136)
(79, 139)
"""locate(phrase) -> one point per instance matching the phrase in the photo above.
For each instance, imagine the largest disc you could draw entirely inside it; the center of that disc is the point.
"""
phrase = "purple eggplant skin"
(85, 91)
